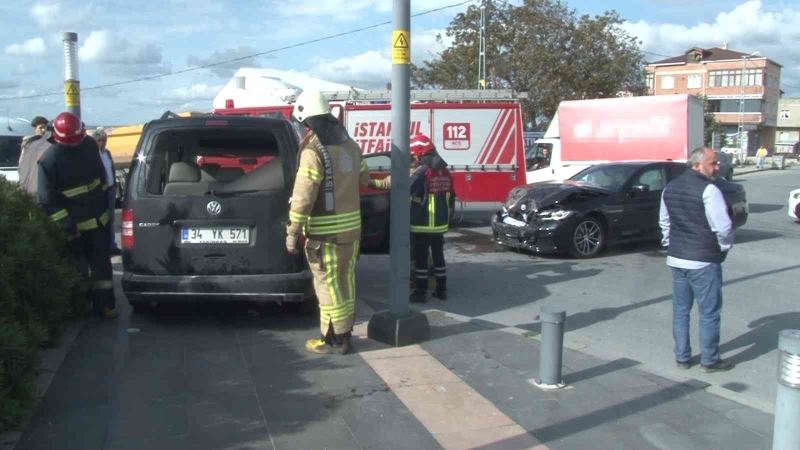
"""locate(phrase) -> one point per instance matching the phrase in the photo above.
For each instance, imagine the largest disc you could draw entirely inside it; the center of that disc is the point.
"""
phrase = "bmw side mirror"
(638, 189)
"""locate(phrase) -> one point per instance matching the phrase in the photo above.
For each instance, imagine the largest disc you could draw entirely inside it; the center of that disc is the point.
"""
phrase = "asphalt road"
(619, 304)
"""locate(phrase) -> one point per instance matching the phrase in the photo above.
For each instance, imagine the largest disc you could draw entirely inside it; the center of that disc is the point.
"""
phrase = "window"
(9, 150)
(694, 81)
(751, 105)
(653, 179)
(667, 82)
(610, 177)
(649, 80)
(725, 78)
(784, 114)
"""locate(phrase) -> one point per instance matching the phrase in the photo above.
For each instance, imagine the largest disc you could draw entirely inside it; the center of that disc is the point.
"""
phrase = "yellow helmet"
(309, 104)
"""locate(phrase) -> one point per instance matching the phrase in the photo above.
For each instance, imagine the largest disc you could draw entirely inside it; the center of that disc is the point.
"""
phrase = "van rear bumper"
(290, 287)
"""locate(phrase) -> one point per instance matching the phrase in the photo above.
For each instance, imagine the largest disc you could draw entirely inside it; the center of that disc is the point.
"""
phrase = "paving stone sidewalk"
(233, 378)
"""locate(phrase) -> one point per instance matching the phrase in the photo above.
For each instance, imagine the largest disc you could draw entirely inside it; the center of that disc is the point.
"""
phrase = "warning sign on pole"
(72, 93)
(401, 47)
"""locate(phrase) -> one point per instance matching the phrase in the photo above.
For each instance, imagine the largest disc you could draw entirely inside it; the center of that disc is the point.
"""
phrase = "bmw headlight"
(554, 214)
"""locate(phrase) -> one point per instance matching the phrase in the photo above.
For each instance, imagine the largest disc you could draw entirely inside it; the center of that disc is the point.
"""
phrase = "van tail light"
(228, 103)
(127, 228)
(301, 241)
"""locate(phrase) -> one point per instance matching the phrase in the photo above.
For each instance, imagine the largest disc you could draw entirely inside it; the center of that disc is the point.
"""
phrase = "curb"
(50, 361)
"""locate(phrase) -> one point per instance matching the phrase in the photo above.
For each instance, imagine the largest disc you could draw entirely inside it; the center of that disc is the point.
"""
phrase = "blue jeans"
(704, 286)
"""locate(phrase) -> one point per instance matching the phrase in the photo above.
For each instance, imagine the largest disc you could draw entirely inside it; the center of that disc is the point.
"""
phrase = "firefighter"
(72, 191)
(432, 199)
(325, 207)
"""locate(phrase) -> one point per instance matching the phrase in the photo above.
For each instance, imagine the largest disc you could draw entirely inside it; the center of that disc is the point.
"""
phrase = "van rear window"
(9, 150)
(191, 162)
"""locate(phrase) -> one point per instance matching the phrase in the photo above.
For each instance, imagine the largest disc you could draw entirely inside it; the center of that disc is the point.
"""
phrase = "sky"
(121, 41)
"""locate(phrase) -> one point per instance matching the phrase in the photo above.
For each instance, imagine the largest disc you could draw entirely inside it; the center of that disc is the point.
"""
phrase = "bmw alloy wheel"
(588, 238)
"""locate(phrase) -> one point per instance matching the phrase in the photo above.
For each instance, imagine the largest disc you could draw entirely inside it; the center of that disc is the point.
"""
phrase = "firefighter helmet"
(68, 129)
(309, 104)
(421, 145)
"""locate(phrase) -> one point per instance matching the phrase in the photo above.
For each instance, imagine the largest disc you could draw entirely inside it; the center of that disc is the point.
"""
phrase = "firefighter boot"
(418, 296)
(337, 345)
(441, 288)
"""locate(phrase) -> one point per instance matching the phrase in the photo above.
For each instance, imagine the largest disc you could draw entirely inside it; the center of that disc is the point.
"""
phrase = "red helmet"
(421, 145)
(68, 129)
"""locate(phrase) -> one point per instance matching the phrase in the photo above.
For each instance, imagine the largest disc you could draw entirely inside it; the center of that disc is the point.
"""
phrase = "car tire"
(588, 238)
(308, 307)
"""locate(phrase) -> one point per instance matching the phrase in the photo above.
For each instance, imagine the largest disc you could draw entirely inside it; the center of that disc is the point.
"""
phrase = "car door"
(642, 202)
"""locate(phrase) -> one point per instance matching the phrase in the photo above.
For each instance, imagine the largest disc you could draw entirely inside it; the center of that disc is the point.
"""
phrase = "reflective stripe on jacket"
(308, 212)
(431, 199)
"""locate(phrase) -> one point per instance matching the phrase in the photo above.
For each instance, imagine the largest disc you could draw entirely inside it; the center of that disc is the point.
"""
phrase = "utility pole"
(740, 131)
(482, 49)
(399, 325)
(72, 84)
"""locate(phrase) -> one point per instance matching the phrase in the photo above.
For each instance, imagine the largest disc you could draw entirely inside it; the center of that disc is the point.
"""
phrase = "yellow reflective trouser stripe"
(91, 224)
(102, 284)
(419, 229)
(351, 276)
(58, 215)
(364, 167)
(76, 191)
(311, 174)
(339, 305)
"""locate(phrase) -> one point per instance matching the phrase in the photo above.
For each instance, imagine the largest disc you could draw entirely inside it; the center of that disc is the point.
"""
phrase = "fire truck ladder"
(431, 95)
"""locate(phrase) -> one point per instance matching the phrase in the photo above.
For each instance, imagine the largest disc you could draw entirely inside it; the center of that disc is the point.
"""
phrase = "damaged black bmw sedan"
(603, 205)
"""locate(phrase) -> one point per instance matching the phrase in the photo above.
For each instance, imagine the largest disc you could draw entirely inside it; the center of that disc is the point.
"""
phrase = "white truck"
(587, 132)
(13, 130)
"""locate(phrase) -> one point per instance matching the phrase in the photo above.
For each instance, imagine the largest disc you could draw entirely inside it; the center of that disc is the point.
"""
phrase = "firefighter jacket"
(432, 196)
(326, 204)
(72, 187)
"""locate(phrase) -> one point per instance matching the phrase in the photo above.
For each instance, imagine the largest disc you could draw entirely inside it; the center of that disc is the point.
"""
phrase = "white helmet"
(309, 104)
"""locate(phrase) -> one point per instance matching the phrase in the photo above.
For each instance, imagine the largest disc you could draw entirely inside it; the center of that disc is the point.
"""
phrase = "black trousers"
(91, 255)
(421, 242)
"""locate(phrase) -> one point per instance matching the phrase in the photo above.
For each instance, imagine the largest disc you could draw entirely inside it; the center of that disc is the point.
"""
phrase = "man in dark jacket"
(72, 191)
(698, 234)
(32, 149)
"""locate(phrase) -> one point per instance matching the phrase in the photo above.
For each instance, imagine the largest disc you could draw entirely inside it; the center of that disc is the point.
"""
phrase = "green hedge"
(40, 290)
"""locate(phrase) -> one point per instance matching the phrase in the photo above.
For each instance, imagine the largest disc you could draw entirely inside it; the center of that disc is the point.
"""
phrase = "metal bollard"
(786, 434)
(552, 319)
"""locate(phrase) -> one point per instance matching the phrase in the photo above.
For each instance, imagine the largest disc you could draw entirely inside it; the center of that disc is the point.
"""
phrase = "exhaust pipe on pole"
(72, 87)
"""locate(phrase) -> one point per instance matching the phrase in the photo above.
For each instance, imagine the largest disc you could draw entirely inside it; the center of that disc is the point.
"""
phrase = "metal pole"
(742, 149)
(399, 259)
(72, 84)
(482, 49)
(552, 349)
(786, 434)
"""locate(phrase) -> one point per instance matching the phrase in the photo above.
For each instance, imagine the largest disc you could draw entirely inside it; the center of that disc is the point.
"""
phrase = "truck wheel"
(588, 238)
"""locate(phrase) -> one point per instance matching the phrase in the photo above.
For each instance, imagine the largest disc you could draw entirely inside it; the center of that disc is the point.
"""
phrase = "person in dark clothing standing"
(432, 199)
(698, 234)
(72, 190)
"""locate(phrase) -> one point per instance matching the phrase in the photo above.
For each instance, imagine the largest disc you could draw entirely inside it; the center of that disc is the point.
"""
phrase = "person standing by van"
(72, 191)
(101, 138)
(32, 149)
(326, 209)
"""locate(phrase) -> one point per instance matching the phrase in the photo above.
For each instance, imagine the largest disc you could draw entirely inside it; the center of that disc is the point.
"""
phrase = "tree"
(543, 48)
(711, 126)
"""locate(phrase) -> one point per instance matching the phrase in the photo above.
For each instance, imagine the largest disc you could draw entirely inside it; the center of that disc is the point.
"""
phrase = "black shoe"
(417, 297)
(719, 366)
(440, 295)
(683, 364)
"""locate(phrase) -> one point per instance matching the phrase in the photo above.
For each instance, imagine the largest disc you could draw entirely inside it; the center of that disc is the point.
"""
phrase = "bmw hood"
(538, 196)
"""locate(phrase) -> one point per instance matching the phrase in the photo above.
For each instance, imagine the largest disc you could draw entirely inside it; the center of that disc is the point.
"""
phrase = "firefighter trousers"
(91, 255)
(421, 242)
(333, 266)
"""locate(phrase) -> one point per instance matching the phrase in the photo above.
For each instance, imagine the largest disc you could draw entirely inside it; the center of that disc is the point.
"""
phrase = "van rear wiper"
(223, 193)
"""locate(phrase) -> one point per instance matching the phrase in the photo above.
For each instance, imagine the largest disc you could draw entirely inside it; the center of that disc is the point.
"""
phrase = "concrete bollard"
(552, 350)
(786, 434)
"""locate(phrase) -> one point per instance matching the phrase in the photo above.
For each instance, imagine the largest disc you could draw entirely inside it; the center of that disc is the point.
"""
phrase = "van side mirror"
(639, 188)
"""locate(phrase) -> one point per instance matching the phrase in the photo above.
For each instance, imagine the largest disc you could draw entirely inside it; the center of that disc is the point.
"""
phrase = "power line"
(241, 58)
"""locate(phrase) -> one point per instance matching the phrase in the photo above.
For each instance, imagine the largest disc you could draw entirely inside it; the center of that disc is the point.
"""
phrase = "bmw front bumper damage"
(539, 237)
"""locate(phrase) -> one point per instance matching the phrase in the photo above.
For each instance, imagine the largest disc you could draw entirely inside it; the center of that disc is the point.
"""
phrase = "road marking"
(456, 415)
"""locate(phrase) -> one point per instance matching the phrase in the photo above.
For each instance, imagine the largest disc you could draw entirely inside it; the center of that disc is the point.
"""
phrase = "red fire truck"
(479, 133)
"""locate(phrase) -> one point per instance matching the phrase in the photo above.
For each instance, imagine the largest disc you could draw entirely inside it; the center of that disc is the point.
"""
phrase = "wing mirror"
(638, 189)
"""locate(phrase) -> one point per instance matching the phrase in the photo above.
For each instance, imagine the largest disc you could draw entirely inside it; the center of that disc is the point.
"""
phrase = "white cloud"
(227, 70)
(373, 68)
(104, 47)
(7, 84)
(349, 10)
(193, 93)
(46, 13)
(746, 28)
(31, 47)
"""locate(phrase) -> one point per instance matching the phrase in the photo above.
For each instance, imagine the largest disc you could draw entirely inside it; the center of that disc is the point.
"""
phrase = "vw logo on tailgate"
(214, 208)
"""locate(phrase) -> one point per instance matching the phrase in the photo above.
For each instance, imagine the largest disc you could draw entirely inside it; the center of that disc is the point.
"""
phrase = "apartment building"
(788, 131)
(743, 90)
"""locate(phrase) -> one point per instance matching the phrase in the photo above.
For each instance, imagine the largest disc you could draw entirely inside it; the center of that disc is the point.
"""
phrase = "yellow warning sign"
(401, 47)
(72, 93)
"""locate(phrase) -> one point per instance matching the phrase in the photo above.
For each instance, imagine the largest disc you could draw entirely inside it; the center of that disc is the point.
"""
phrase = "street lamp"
(740, 133)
